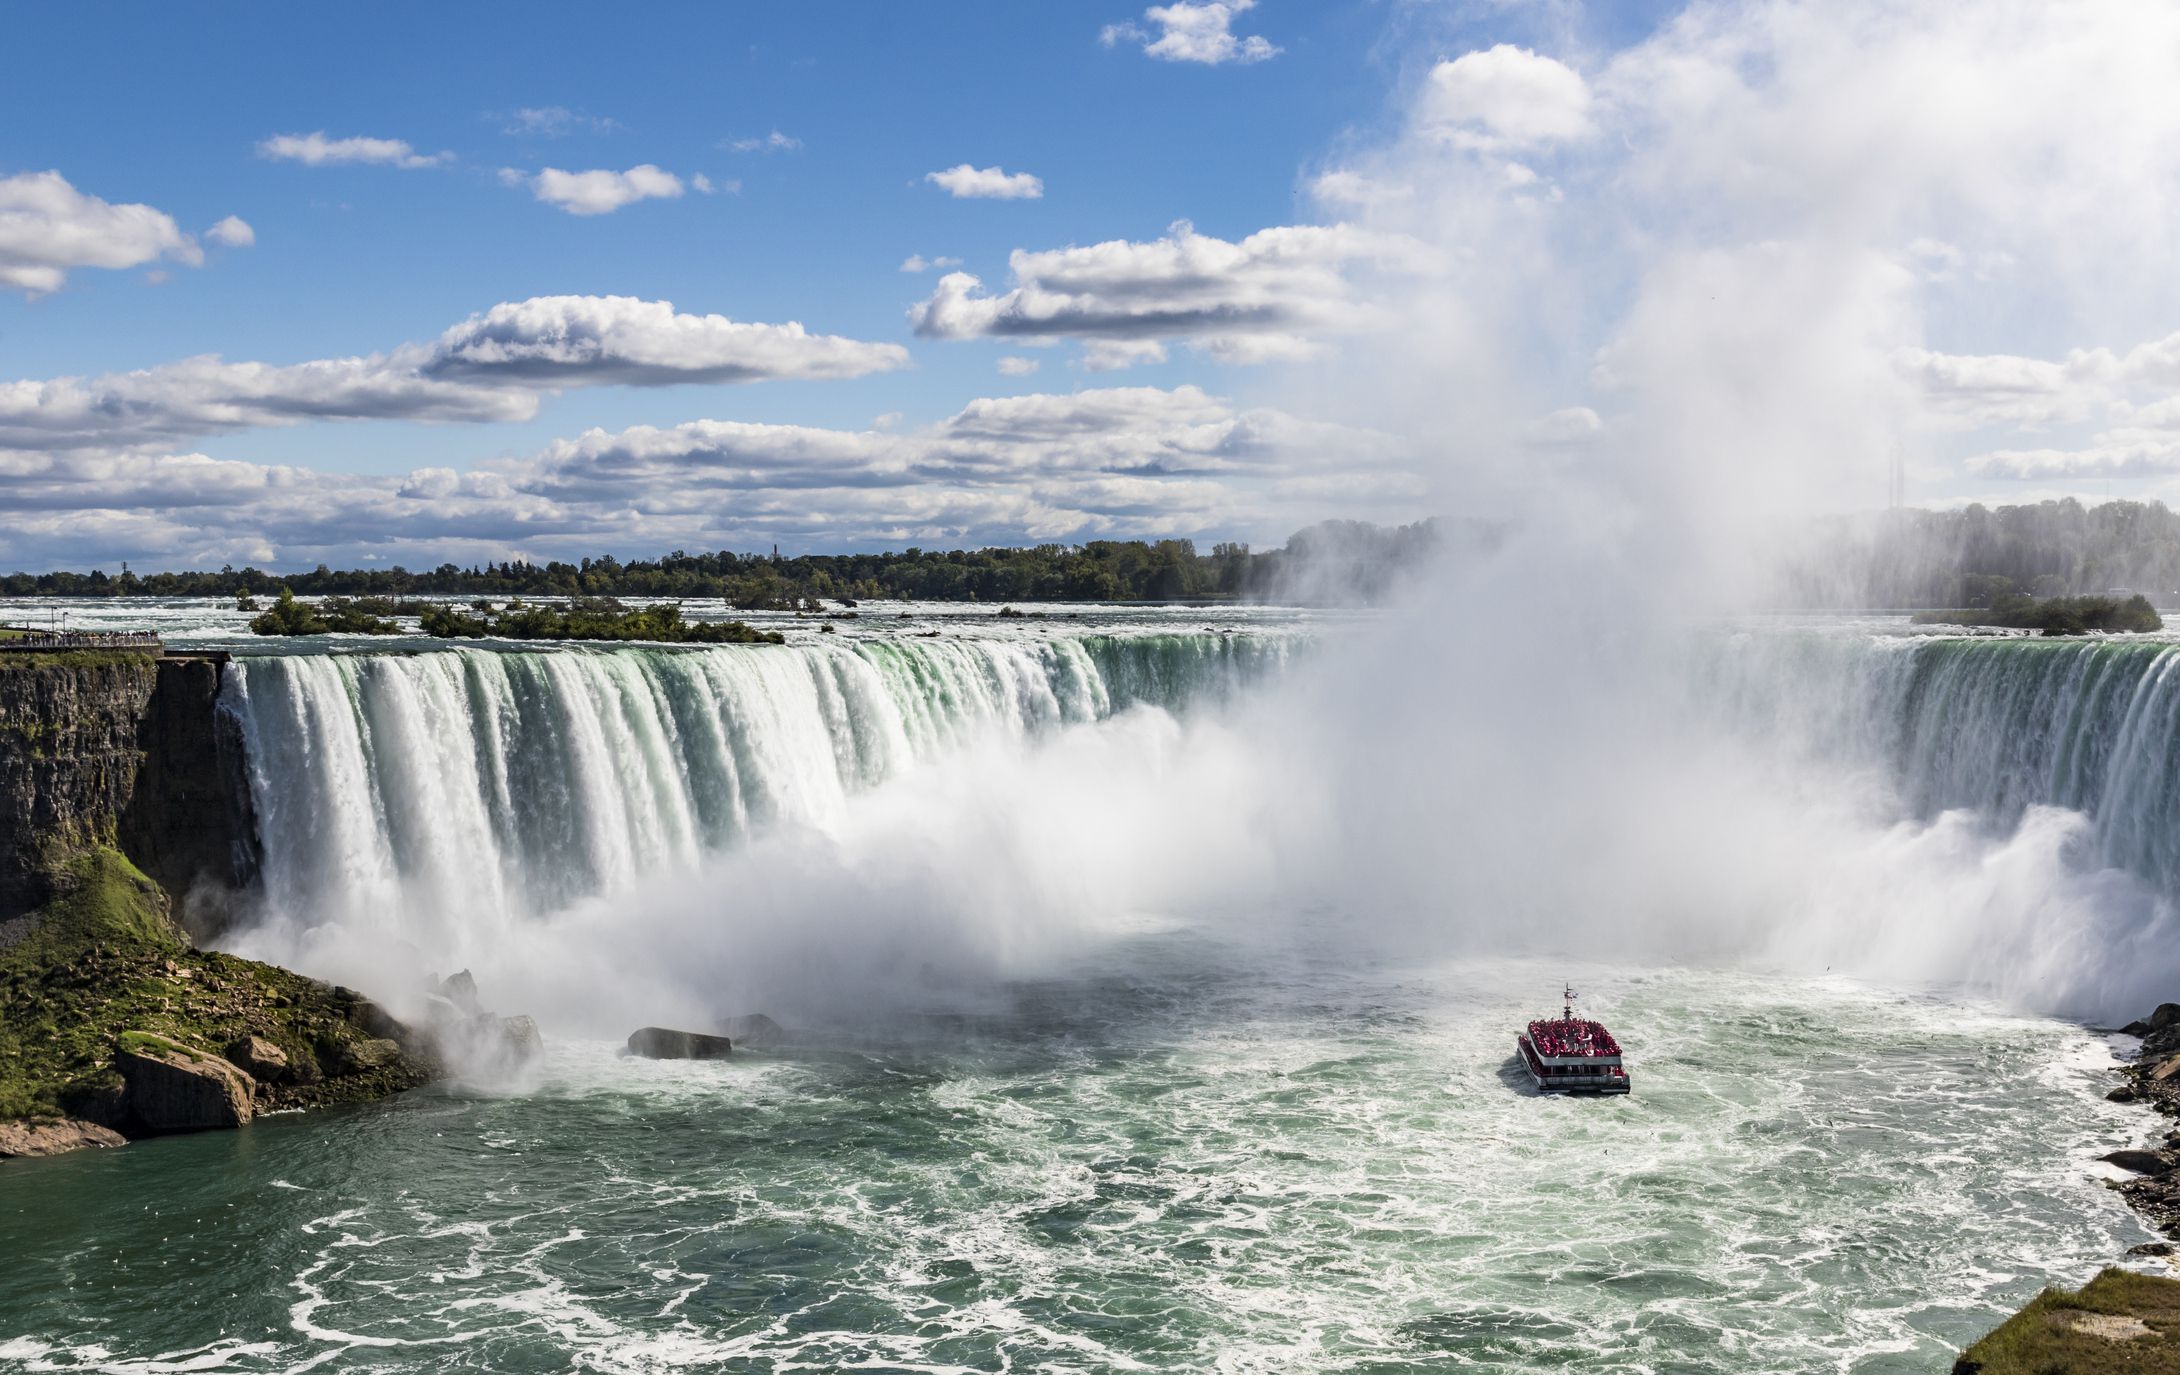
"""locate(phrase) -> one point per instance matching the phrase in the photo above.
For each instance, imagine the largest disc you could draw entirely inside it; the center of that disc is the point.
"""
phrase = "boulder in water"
(460, 989)
(19, 1139)
(178, 1088)
(2141, 1162)
(664, 1043)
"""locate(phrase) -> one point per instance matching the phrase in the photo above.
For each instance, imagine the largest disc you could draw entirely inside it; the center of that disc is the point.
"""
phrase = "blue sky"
(1351, 177)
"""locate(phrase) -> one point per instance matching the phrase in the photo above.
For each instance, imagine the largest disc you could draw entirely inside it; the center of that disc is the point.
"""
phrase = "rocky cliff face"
(123, 748)
(188, 822)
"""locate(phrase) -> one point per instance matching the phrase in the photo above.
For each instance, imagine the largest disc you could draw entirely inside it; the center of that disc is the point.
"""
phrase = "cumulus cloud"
(987, 183)
(1264, 297)
(232, 232)
(1135, 461)
(1017, 366)
(48, 228)
(917, 262)
(1507, 97)
(492, 366)
(598, 192)
(1193, 31)
(316, 150)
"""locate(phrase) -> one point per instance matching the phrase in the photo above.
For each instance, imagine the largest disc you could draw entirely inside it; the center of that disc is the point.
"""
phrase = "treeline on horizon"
(1336, 561)
(1977, 556)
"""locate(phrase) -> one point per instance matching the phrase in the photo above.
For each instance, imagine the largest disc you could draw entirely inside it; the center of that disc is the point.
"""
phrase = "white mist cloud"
(1506, 97)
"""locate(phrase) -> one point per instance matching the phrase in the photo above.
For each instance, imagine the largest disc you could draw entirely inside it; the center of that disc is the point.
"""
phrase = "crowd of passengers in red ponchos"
(1571, 1037)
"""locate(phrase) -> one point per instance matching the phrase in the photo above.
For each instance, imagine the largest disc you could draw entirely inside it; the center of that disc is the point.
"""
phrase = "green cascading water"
(497, 784)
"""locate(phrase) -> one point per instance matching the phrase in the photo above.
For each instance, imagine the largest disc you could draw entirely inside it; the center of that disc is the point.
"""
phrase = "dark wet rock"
(2125, 1093)
(664, 1043)
(2141, 1162)
(361, 1057)
(2151, 1248)
(754, 1032)
(21, 1139)
(259, 1058)
(2167, 1014)
(178, 1088)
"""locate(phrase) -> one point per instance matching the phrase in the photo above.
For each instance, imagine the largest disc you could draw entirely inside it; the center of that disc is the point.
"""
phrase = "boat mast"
(1567, 1007)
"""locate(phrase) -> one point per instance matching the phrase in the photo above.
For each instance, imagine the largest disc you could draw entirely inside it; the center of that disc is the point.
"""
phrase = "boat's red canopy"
(1572, 1036)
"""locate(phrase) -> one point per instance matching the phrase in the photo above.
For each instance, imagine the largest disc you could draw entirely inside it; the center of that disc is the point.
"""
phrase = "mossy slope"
(2120, 1323)
(102, 961)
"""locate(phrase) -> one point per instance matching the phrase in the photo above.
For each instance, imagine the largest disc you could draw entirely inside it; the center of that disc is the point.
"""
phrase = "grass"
(2053, 1335)
(74, 658)
(102, 966)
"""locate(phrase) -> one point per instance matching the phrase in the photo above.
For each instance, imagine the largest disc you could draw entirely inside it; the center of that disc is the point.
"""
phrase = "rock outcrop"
(258, 1058)
(664, 1043)
(170, 1087)
(54, 1137)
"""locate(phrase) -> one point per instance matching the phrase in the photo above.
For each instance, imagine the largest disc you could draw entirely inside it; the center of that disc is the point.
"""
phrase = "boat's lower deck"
(1590, 1074)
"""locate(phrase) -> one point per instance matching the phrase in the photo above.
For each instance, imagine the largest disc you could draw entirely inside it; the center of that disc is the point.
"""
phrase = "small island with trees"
(582, 618)
(2054, 615)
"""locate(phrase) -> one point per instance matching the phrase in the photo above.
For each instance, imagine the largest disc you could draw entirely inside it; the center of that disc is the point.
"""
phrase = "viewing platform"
(25, 640)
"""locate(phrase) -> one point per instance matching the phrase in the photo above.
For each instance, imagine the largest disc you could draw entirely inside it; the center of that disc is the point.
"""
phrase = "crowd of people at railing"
(1572, 1036)
(27, 639)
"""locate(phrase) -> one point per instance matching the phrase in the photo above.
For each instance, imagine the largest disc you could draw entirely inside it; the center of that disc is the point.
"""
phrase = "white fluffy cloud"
(917, 262)
(1017, 366)
(492, 366)
(316, 150)
(599, 192)
(1507, 97)
(987, 183)
(1133, 461)
(232, 232)
(48, 228)
(1193, 31)
(1248, 301)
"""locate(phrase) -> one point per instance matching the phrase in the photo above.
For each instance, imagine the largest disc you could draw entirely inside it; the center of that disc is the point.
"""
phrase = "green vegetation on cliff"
(102, 962)
(2055, 616)
(2120, 1323)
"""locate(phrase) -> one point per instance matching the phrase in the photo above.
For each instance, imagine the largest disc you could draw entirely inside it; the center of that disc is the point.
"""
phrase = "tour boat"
(1570, 1054)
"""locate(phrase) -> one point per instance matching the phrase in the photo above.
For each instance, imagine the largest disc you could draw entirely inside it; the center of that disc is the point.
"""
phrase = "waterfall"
(1989, 726)
(394, 791)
